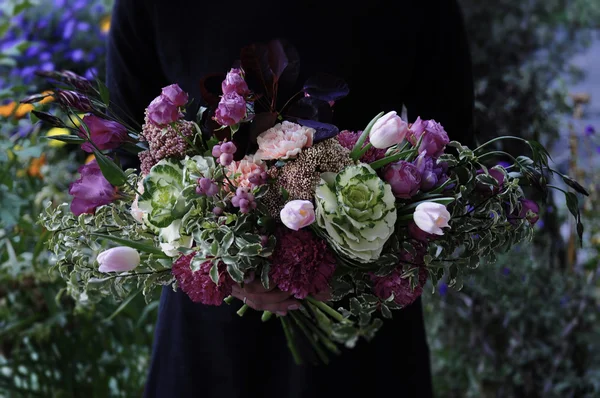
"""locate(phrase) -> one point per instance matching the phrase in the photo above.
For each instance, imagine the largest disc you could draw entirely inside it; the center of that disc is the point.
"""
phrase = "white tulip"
(431, 217)
(118, 259)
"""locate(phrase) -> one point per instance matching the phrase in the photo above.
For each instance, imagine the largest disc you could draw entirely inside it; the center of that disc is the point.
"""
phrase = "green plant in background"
(522, 330)
(48, 347)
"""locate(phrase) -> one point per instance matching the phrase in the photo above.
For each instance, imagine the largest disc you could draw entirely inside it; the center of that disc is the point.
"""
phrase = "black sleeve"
(134, 74)
(442, 88)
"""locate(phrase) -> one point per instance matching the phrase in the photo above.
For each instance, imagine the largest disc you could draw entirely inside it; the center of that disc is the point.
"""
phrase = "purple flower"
(77, 55)
(434, 139)
(443, 289)
(505, 271)
(497, 175)
(91, 190)
(429, 178)
(69, 29)
(529, 210)
(175, 94)
(198, 285)
(393, 284)
(73, 99)
(418, 234)
(105, 134)
(231, 110)
(162, 111)
(234, 83)
(207, 187)
(83, 26)
(404, 179)
(589, 130)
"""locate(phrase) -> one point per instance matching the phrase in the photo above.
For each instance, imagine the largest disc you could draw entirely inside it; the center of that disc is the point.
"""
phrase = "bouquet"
(351, 223)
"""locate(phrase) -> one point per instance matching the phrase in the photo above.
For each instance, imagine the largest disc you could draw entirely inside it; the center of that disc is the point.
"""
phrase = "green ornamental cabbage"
(357, 210)
(163, 199)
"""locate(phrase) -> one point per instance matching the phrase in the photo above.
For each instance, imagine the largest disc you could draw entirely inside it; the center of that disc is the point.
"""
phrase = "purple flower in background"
(175, 94)
(68, 29)
(91, 190)
(443, 289)
(77, 55)
(505, 271)
(91, 73)
(529, 210)
(83, 26)
(404, 178)
(105, 134)
(564, 301)
(161, 111)
(231, 110)
(47, 66)
(504, 164)
(589, 130)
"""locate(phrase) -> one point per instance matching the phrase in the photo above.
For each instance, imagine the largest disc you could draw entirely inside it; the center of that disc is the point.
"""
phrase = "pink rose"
(284, 141)
(434, 140)
(175, 94)
(234, 83)
(105, 134)
(231, 110)
(162, 111)
(245, 169)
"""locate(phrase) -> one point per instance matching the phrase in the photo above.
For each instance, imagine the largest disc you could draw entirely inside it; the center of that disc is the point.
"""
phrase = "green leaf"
(284, 194)
(104, 93)
(227, 241)
(113, 173)
(70, 139)
(264, 275)
(235, 273)
(214, 248)
(123, 305)
(214, 273)
(133, 244)
(572, 204)
(575, 185)
(250, 250)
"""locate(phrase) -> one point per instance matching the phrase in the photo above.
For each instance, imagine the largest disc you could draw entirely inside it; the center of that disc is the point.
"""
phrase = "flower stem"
(228, 299)
(364, 150)
(330, 345)
(287, 329)
(266, 316)
(315, 344)
(243, 310)
(363, 138)
(499, 139)
(327, 309)
(382, 162)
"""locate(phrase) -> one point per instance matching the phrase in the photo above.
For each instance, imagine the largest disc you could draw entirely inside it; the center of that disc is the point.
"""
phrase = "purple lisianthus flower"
(497, 175)
(91, 190)
(404, 178)
(434, 139)
(83, 26)
(69, 28)
(105, 134)
(231, 110)
(162, 111)
(47, 66)
(175, 94)
(234, 83)
(529, 210)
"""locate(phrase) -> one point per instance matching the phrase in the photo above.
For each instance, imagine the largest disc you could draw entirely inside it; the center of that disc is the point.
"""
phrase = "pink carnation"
(348, 139)
(404, 294)
(284, 141)
(198, 285)
(245, 169)
(301, 264)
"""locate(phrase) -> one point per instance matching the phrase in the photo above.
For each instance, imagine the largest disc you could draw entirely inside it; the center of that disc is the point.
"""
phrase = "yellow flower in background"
(47, 99)
(105, 24)
(35, 166)
(18, 111)
(11, 152)
(57, 131)
(90, 158)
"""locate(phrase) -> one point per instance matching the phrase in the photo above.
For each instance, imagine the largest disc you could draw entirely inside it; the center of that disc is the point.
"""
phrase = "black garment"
(411, 52)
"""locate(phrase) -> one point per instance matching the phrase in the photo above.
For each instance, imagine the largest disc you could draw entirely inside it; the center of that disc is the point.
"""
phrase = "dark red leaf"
(277, 59)
(210, 88)
(255, 62)
(312, 109)
(326, 87)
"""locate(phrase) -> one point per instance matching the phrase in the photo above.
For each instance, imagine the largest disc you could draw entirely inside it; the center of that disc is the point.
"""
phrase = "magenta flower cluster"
(165, 109)
(244, 199)
(198, 285)
(233, 108)
(302, 264)
(224, 153)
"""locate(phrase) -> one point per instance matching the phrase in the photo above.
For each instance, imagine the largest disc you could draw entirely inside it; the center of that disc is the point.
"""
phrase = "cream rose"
(284, 141)
(244, 169)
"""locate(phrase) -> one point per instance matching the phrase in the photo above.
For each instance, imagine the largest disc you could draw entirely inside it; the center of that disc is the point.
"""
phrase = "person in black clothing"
(391, 53)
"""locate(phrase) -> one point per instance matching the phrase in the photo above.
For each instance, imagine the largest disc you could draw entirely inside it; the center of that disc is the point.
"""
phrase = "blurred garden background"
(526, 326)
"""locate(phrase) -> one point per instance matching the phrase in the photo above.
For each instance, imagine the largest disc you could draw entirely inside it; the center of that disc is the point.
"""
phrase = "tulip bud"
(388, 131)
(431, 217)
(118, 259)
(298, 214)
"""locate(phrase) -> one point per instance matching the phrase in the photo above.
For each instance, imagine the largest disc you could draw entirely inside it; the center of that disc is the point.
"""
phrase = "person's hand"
(258, 298)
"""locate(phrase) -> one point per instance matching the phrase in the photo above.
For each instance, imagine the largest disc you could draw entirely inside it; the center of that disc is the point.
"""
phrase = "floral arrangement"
(350, 223)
